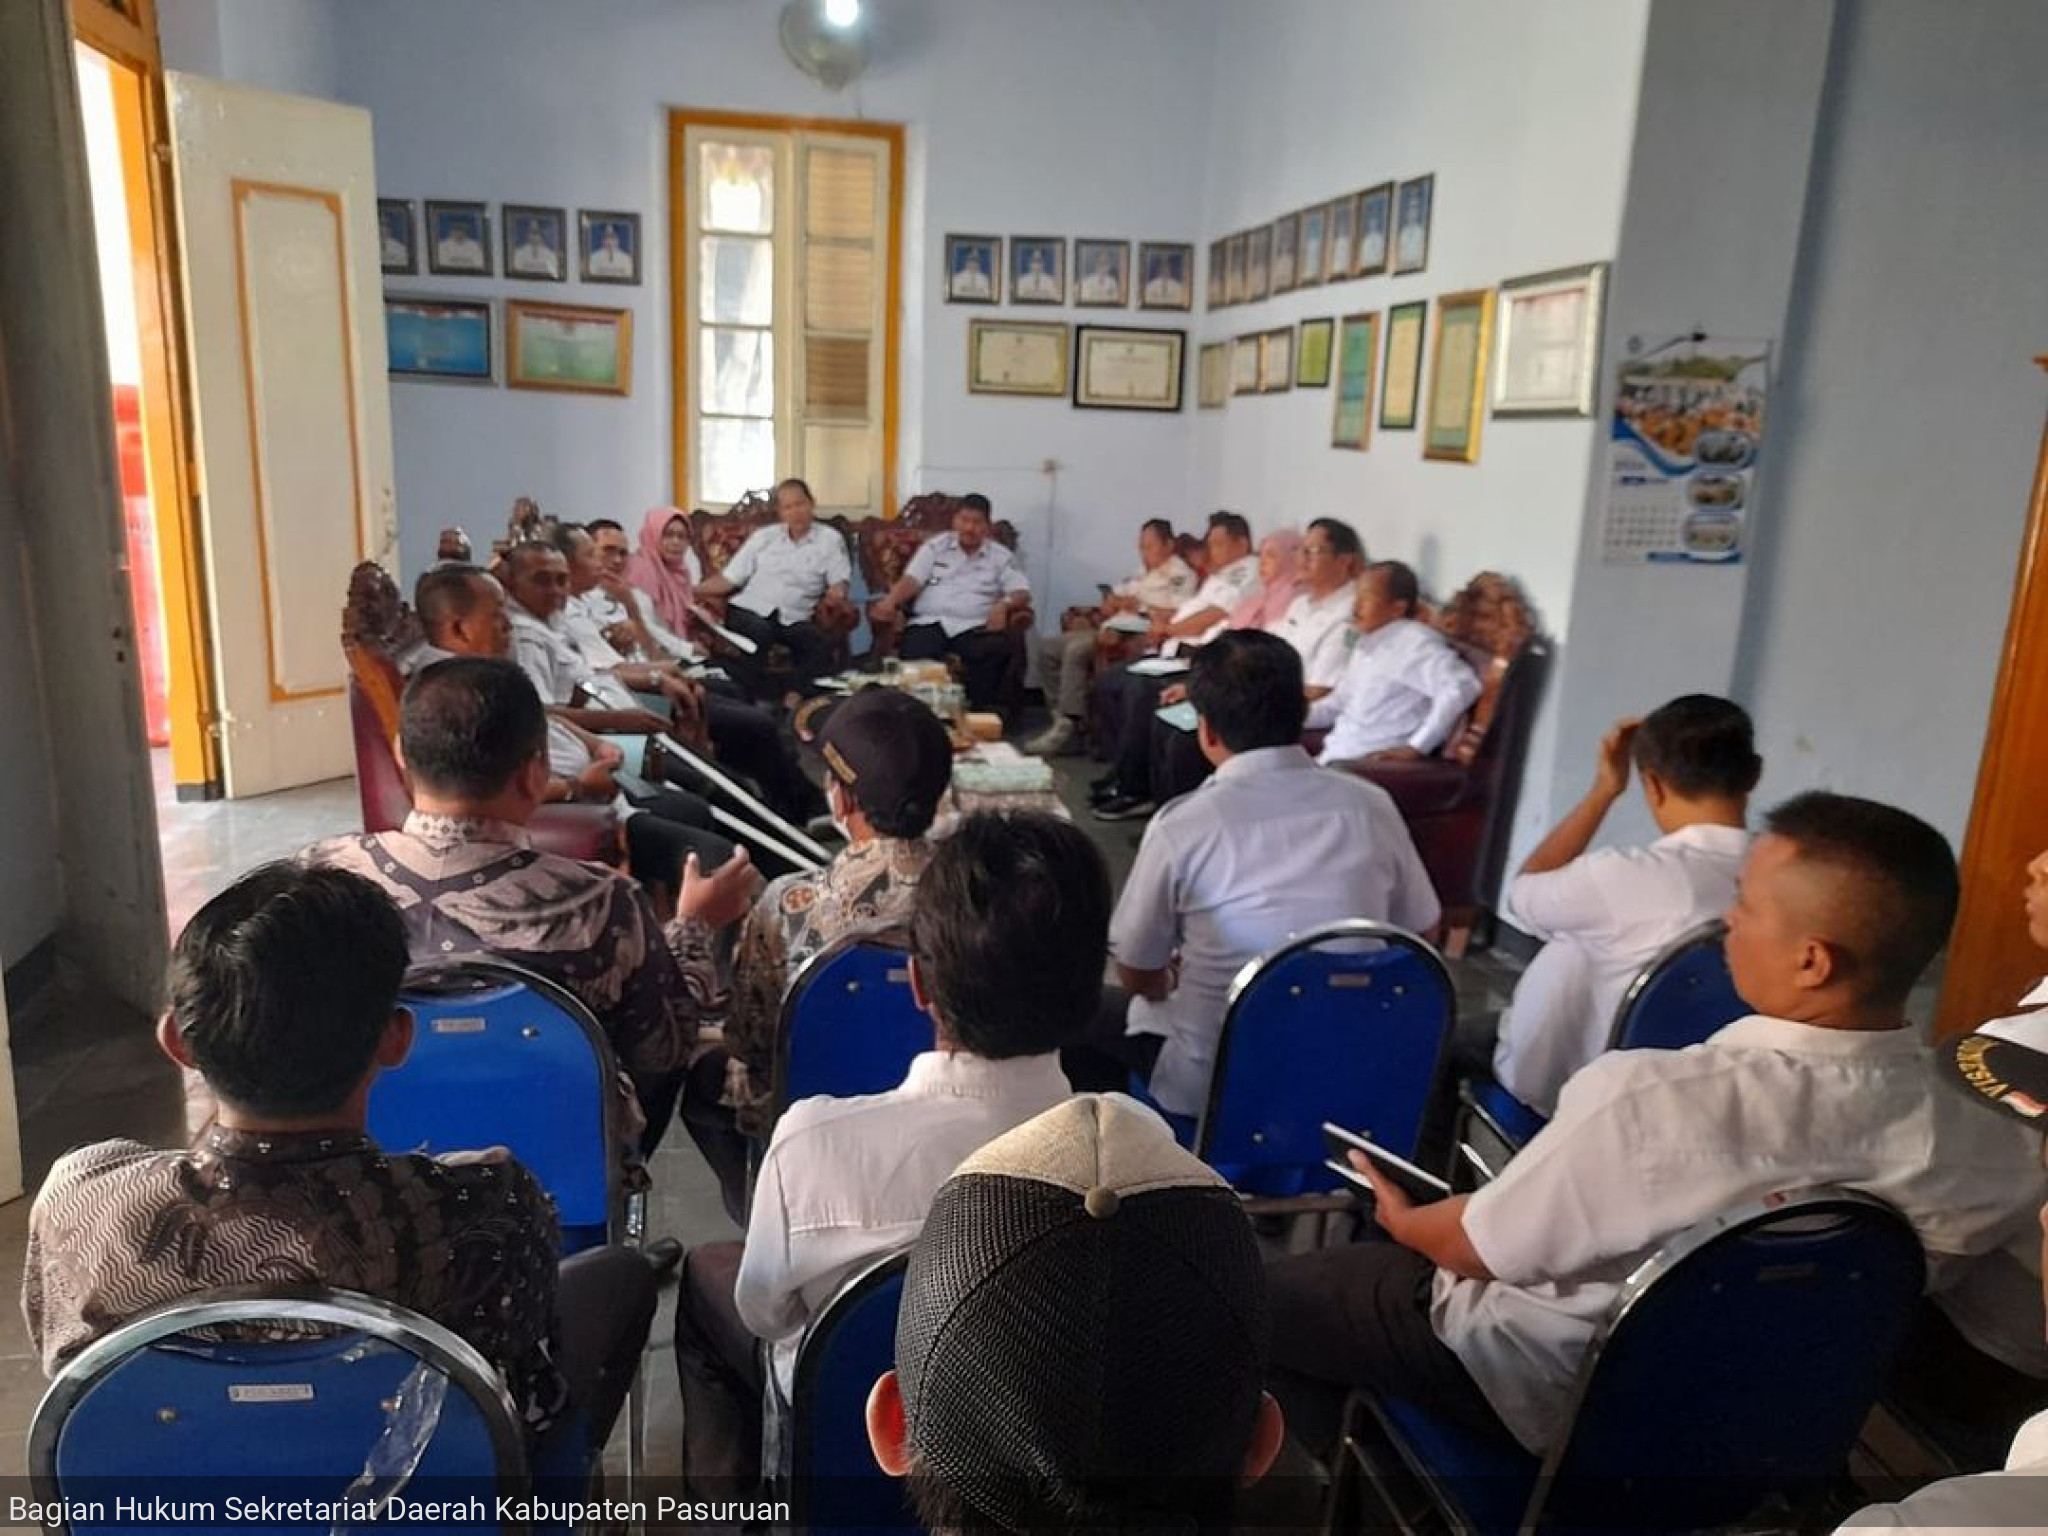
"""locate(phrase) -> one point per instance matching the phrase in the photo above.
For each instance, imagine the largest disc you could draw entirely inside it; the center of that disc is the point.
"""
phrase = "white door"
(277, 225)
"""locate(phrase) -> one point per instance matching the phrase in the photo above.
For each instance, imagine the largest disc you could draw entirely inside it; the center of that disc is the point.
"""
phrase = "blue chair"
(1681, 997)
(834, 1482)
(1738, 1363)
(1349, 1023)
(332, 1394)
(849, 1024)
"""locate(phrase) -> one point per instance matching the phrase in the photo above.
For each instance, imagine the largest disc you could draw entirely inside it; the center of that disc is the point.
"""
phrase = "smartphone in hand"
(1418, 1184)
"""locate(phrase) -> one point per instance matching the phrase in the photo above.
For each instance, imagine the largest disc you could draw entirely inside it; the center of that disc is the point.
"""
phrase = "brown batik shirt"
(469, 1241)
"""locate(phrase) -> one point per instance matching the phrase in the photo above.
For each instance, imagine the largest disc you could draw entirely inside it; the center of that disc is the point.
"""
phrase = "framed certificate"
(1276, 360)
(1549, 343)
(569, 347)
(1457, 376)
(1016, 357)
(428, 337)
(1244, 365)
(1312, 354)
(1401, 378)
(1214, 367)
(1126, 369)
(1358, 347)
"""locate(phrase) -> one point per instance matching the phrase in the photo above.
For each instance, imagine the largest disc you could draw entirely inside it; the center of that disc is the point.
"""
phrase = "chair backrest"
(1682, 996)
(1741, 1359)
(302, 1394)
(1348, 1023)
(1490, 624)
(376, 627)
(834, 1482)
(503, 1057)
(849, 1024)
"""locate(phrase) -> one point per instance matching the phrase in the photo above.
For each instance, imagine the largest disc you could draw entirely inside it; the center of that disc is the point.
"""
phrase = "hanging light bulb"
(842, 13)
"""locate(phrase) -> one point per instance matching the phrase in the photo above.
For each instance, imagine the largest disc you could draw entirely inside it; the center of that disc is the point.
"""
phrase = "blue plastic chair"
(152, 1410)
(1348, 1023)
(1739, 1362)
(834, 1482)
(849, 1024)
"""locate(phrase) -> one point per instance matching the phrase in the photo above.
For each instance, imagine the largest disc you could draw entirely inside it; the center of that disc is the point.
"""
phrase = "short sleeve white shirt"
(1602, 917)
(1320, 629)
(1645, 1143)
(547, 656)
(1269, 847)
(1223, 590)
(1167, 585)
(1404, 685)
(782, 578)
(956, 590)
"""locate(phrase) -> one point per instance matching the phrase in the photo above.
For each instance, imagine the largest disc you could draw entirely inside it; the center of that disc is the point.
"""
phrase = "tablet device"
(1418, 1184)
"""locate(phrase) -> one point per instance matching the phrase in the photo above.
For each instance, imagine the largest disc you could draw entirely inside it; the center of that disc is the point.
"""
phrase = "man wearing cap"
(887, 764)
(1007, 935)
(1483, 1305)
(1082, 1338)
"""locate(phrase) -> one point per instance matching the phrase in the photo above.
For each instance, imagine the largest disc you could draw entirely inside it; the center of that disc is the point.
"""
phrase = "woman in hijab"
(665, 567)
(1279, 570)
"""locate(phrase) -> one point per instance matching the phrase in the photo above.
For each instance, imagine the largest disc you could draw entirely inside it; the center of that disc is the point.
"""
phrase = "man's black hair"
(1248, 685)
(282, 986)
(467, 725)
(1160, 526)
(794, 484)
(1700, 745)
(1232, 523)
(1402, 585)
(1900, 900)
(564, 538)
(599, 525)
(446, 593)
(974, 501)
(1344, 539)
(1010, 928)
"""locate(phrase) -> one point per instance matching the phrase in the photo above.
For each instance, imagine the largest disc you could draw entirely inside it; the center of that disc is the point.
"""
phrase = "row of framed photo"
(1114, 368)
(1384, 228)
(1544, 362)
(1037, 272)
(457, 241)
(574, 348)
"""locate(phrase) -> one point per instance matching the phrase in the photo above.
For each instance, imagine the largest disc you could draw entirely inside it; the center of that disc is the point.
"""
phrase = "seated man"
(957, 595)
(1403, 687)
(1141, 1407)
(1065, 660)
(473, 739)
(1007, 936)
(776, 580)
(1603, 916)
(283, 996)
(1269, 847)
(1482, 1306)
(618, 611)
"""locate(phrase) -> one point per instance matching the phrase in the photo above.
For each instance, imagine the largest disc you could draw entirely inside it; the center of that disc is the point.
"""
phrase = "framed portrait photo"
(1218, 293)
(1038, 271)
(1127, 368)
(1457, 376)
(1102, 274)
(398, 240)
(1286, 251)
(1549, 345)
(1312, 354)
(1374, 247)
(1358, 349)
(536, 243)
(1166, 275)
(1258, 254)
(1236, 284)
(1213, 369)
(458, 239)
(1017, 357)
(569, 347)
(1343, 229)
(1401, 373)
(446, 340)
(608, 245)
(1276, 360)
(1244, 365)
(1315, 247)
(1411, 224)
(974, 269)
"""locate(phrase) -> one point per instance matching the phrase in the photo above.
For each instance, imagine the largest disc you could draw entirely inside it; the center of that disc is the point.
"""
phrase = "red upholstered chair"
(1459, 804)
(885, 546)
(376, 628)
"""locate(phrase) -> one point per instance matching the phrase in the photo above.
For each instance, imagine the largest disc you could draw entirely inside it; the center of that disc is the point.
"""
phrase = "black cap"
(888, 749)
(2005, 1063)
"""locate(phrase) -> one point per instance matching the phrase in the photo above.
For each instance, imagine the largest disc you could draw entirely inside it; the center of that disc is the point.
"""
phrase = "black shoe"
(1123, 808)
(1101, 789)
(664, 1256)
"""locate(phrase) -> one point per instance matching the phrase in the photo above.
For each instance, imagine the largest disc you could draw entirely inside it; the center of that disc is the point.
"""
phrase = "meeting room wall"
(1040, 119)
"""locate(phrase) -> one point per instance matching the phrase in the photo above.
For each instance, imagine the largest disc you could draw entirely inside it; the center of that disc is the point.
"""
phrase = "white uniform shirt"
(1602, 918)
(567, 755)
(783, 578)
(1405, 685)
(1988, 1504)
(587, 615)
(607, 262)
(845, 1181)
(1320, 629)
(1167, 585)
(537, 259)
(1270, 846)
(957, 589)
(546, 654)
(1225, 589)
(1645, 1143)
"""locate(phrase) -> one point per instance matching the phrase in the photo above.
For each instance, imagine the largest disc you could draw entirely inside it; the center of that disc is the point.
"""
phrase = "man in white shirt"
(623, 613)
(1102, 283)
(1603, 916)
(458, 249)
(1270, 846)
(970, 278)
(1007, 933)
(1065, 660)
(1124, 700)
(1404, 685)
(1037, 284)
(609, 259)
(1483, 1305)
(776, 581)
(958, 595)
(533, 256)
(1166, 287)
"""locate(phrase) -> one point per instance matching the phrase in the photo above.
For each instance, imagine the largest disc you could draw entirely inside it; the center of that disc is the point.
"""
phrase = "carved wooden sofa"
(377, 628)
(717, 537)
